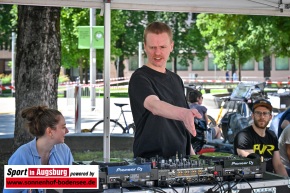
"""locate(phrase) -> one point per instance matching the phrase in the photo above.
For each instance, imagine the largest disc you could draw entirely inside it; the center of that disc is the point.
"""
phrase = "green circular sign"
(99, 35)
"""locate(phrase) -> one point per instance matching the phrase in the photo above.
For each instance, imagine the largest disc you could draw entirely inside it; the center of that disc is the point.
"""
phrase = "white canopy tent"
(246, 7)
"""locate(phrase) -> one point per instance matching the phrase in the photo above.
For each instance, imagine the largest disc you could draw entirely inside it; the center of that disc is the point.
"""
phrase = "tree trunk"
(86, 75)
(267, 67)
(37, 63)
(240, 72)
(81, 71)
(233, 68)
(121, 66)
(175, 64)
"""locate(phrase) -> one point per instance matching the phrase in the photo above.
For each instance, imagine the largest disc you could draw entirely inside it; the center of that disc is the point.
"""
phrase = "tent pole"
(107, 64)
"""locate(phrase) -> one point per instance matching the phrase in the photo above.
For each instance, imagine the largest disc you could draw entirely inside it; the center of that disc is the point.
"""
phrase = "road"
(88, 117)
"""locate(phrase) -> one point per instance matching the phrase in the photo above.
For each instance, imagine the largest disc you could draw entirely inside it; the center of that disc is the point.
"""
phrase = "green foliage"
(71, 18)
(5, 27)
(238, 38)
(233, 39)
(5, 79)
(196, 43)
(226, 37)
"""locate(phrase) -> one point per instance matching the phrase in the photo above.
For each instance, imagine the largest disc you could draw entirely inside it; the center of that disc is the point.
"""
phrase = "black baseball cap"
(262, 103)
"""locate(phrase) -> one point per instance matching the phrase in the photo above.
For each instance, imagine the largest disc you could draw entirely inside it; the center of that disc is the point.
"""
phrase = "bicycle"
(115, 125)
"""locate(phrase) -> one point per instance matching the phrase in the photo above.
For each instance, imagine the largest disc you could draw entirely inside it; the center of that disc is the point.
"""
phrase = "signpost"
(84, 37)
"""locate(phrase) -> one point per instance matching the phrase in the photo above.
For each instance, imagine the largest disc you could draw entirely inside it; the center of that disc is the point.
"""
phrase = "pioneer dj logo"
(244, 163)
(131, 169)
(139, 169)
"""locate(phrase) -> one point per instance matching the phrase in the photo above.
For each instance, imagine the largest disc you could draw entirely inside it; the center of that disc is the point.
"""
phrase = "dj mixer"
(207, 168)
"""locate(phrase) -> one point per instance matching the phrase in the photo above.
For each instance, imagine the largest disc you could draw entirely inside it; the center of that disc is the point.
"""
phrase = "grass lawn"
(98, 155)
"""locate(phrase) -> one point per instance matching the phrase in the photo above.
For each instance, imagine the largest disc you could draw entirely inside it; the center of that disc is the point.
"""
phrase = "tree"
(73, 57)
(37, 62)
(6, 27)
(179, 26)
(195, 42)
(226, 38)
(132, 24)
(184, 43)
(238, 38)
(261, 39)
(71, 18)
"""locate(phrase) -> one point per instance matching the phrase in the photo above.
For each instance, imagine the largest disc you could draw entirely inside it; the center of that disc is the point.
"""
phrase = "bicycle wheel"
(211, 121)
(131, 128)
(115, 127)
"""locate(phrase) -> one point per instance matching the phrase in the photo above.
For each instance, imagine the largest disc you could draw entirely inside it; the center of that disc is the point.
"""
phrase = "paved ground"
(88, 117)
(66, 106)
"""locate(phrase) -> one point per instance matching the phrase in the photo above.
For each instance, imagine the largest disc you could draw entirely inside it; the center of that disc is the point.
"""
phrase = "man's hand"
(164, 109)
(188, 120)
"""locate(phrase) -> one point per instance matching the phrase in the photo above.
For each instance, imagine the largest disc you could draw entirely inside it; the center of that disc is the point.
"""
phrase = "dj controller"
(176, 171)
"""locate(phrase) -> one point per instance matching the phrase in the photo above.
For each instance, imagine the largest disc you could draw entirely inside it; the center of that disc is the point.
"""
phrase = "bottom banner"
(51, 177)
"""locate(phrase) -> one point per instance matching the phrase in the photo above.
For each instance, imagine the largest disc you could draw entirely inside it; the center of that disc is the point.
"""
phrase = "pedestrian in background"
(227, 75)
(235, 76)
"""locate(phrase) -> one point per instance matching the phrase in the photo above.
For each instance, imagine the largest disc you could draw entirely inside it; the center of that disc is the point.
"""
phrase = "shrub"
(5, 78)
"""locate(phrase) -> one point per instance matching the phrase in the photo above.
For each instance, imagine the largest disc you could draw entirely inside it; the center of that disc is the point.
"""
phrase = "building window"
(212, 66)
(179, 66)
(261, 65)
(7, 66)
(197, 65)
(229, 67)
(169, 65)
(249, 65)
(282, 63)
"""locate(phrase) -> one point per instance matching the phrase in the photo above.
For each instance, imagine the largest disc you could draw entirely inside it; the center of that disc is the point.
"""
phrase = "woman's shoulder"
(20, 155)
(62, 148)
(24, 148)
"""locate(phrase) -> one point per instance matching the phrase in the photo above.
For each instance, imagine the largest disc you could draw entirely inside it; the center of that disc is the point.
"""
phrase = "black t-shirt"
(156, 135)
(264, 146)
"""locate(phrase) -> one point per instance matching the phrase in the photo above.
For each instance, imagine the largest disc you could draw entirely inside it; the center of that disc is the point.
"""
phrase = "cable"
(172, 188)
(186, 183)
(120, 182)
(155, 189)
(242, 178)
(181, 181)
(220, 187)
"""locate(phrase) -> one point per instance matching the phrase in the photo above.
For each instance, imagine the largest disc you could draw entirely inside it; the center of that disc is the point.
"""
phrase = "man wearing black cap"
(257, 139)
